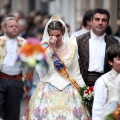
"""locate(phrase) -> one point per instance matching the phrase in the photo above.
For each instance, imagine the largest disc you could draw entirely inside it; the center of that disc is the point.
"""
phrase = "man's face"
(11, 28)
(99, 24)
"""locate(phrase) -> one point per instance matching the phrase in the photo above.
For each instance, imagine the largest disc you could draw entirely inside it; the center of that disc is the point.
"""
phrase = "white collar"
(114, 73)
(7, 38)
(93, 36)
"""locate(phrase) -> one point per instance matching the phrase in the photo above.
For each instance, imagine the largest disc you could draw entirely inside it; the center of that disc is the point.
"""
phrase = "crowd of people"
(89, 57)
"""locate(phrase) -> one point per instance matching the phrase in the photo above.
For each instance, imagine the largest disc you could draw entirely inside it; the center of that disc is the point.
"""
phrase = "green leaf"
(110, 117)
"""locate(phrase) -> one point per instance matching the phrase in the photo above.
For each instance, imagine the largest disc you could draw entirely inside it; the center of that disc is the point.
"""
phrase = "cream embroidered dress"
(55, 98)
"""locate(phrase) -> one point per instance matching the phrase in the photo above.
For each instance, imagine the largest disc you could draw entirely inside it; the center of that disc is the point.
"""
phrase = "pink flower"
(33, 40)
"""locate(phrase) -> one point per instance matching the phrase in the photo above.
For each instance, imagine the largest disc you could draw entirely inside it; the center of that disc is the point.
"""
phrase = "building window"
(118, 7)
(31, 5)
(44, 6)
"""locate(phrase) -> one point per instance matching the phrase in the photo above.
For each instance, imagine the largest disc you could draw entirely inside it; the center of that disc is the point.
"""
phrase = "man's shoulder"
(111, 39)
(21, 41)
(103, 79)
(105, 75)
(2, 38)
(20, 38)
(83, 37)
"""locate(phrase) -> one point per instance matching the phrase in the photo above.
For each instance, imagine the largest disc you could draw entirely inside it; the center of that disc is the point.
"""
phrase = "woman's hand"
(52, 42)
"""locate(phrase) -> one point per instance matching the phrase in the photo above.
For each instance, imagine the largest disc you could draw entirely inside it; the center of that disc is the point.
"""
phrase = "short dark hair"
(101, 11)
(56, 25)
(113, 52)
(87, 17)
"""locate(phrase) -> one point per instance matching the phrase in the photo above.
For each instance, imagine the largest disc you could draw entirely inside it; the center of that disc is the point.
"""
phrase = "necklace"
(63, 48)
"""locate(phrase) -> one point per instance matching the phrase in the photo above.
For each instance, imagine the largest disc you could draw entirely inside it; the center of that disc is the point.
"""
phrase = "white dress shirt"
(97, 48)
(100, 97)
(10, 66)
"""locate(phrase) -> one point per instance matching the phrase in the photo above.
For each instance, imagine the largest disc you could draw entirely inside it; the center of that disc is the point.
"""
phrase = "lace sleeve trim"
(71, 53)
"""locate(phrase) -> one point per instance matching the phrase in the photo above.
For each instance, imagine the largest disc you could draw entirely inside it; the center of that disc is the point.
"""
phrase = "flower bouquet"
(32, 53)
(87, 94)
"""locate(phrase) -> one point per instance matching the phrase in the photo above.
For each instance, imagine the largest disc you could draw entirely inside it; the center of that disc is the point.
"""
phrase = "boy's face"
(115, 64)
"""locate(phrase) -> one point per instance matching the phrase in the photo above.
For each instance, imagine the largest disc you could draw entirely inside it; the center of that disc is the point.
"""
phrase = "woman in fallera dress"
(57, 95)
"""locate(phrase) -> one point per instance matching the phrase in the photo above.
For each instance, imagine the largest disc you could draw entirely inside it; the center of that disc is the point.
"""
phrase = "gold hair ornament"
(55, 17)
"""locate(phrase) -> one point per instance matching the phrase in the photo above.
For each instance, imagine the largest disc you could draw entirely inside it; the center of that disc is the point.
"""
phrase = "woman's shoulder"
(71, 52)
(73, 48)
(71, 45)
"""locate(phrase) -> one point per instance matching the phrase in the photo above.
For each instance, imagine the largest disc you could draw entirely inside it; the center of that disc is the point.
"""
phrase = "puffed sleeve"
(100, 97)
(46, 73)
(76, 70)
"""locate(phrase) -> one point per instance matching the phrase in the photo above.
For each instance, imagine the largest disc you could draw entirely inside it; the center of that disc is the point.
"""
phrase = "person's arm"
(76, 70)
(100, 97)
(46, 72)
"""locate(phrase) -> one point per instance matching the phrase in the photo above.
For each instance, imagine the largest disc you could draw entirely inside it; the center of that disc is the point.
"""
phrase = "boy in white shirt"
(105, 86)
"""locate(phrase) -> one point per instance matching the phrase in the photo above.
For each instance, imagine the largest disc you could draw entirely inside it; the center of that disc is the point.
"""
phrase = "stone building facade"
(69, 10)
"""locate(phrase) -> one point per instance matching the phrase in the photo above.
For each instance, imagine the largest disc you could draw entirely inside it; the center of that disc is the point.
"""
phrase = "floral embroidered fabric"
(49, 103)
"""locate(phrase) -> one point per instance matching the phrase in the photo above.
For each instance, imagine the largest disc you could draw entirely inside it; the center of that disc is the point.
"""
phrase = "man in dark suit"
(92, 48)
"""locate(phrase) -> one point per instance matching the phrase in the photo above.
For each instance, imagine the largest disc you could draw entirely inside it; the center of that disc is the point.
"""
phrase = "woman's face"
(57, 34)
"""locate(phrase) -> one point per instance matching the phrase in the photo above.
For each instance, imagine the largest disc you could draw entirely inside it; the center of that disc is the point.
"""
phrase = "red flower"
(87, 91)
(91, 89)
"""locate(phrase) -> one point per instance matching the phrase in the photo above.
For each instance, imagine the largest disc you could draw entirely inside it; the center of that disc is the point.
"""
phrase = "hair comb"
(54, 17)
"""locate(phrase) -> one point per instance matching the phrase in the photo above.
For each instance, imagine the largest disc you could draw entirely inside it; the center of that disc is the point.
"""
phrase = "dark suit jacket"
(83, 52)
